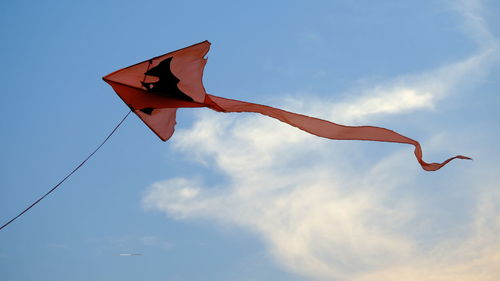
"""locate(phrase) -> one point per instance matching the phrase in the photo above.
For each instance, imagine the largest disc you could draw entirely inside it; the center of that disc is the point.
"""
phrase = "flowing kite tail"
(325, 129)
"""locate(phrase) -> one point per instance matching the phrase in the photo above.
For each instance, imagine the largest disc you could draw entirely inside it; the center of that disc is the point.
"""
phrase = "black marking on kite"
(166, 84)
(147, 110)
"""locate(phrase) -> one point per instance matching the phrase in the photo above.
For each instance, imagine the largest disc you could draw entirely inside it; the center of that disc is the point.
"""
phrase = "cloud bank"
(322, 213)
(326, 220)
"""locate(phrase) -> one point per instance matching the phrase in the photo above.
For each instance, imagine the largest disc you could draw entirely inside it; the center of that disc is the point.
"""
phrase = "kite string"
(67, 176)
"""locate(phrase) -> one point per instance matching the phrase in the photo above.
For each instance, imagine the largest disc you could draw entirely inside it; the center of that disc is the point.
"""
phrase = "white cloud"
(329, 221)
(423, 90)
(408, 93)
(417, 91)
(474, 23)
(324, 214)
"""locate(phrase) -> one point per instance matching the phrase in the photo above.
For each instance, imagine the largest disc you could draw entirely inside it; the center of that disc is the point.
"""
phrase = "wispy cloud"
(474, 23)
(329, 221)
(418, 91)
(323, 215)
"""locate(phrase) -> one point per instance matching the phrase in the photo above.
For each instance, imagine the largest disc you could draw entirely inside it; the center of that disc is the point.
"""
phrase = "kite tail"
(325, 129)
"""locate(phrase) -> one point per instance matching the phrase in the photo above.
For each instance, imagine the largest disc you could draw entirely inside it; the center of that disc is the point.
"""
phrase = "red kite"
(154, 89)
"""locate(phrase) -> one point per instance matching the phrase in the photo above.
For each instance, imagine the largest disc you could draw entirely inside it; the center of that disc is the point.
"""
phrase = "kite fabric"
(154, 89)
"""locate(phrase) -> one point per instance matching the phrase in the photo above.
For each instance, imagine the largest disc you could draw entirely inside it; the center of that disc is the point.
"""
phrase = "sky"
(241, 196)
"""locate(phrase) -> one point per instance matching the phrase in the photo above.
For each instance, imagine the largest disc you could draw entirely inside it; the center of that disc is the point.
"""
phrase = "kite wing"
(155, 88)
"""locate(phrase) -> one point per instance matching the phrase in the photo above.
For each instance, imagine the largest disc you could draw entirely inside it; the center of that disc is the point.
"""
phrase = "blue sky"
(240, 196)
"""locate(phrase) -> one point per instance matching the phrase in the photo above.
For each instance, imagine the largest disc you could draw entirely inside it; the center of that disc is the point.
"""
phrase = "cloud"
(332, 221)
(474, 23)
(411, 92)
(415, 91)
(334, 212)
(474, 257)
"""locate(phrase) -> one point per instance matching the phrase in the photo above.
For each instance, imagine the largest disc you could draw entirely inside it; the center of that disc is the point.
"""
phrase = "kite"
(154, 89)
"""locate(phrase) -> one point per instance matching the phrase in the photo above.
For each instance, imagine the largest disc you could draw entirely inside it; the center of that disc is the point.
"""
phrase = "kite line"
(69, 175)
